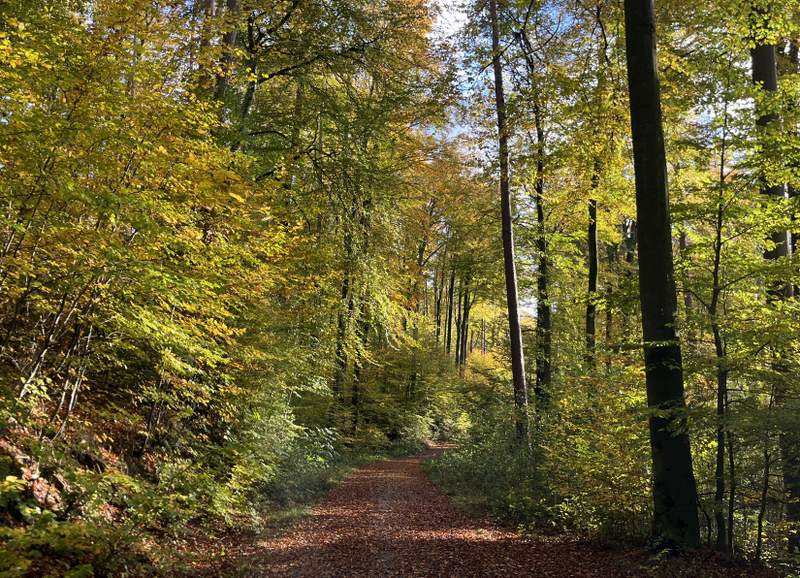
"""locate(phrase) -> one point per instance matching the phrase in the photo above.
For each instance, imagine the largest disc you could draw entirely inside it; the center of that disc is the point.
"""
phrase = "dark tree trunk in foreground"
(765, 75)
(674, 489)
(517, 359)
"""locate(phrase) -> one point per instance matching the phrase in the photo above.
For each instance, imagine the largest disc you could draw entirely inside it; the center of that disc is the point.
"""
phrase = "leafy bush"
(305, 469)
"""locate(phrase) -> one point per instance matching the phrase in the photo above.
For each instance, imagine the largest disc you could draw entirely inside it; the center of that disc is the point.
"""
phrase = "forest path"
(388, 519)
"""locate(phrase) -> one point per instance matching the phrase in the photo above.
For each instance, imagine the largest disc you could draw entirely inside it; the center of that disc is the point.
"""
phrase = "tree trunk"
(458, 320)
(341, 331)
(766, 458)
(465, 324)
(355, 394)
(611, 252)
(794, 58)
(544, 316)
(765, 75)
(591, 304)
(724, 535)
(674, 489)
(450, 296)
(517, 358)
(438, 290)
(719, 469)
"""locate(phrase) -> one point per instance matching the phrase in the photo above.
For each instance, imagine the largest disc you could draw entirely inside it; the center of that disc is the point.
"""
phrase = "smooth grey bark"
(509, 266)
(674, 489)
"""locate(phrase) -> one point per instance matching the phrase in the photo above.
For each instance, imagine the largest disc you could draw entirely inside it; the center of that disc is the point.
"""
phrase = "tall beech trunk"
(544, 323)
(467, 307)
(611, 256)
(766, 458)
(458, 320)
(346, 297)
(365, 222)
(544, 314)
(794, 58)
(355, 393)
(438, 291)
(517, 357)
(419, 280)
(674, 490)
(765, 75)
(449, 327)
(591, 303)
(724, 535)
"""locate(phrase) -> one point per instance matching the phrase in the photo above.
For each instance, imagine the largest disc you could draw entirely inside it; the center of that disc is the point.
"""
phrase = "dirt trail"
(388, 519)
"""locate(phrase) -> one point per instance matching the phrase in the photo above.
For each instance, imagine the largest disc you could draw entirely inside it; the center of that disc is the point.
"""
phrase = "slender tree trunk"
(419, 279)
(517, 357)
(762, 505)
(794, 58)
(765, 75)
(365, 221)
(629, 248)
(465, 324)
(458, 321)
(609, 329)
(543, 310)
(720, 349)
(674, 489)
(450, 296)
(731, 484)
(719, 470)
(340, 371)
(438, 290)
(591, 304)
(544, 316)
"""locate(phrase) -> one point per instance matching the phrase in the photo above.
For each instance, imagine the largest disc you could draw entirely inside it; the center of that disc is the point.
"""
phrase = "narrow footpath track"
(388, 519)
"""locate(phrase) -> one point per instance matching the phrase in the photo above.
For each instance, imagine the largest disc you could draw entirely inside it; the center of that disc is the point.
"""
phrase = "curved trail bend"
(388, 519)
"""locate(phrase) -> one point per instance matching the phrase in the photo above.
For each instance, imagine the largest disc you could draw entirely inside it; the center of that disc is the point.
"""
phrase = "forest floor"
(388, 519)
